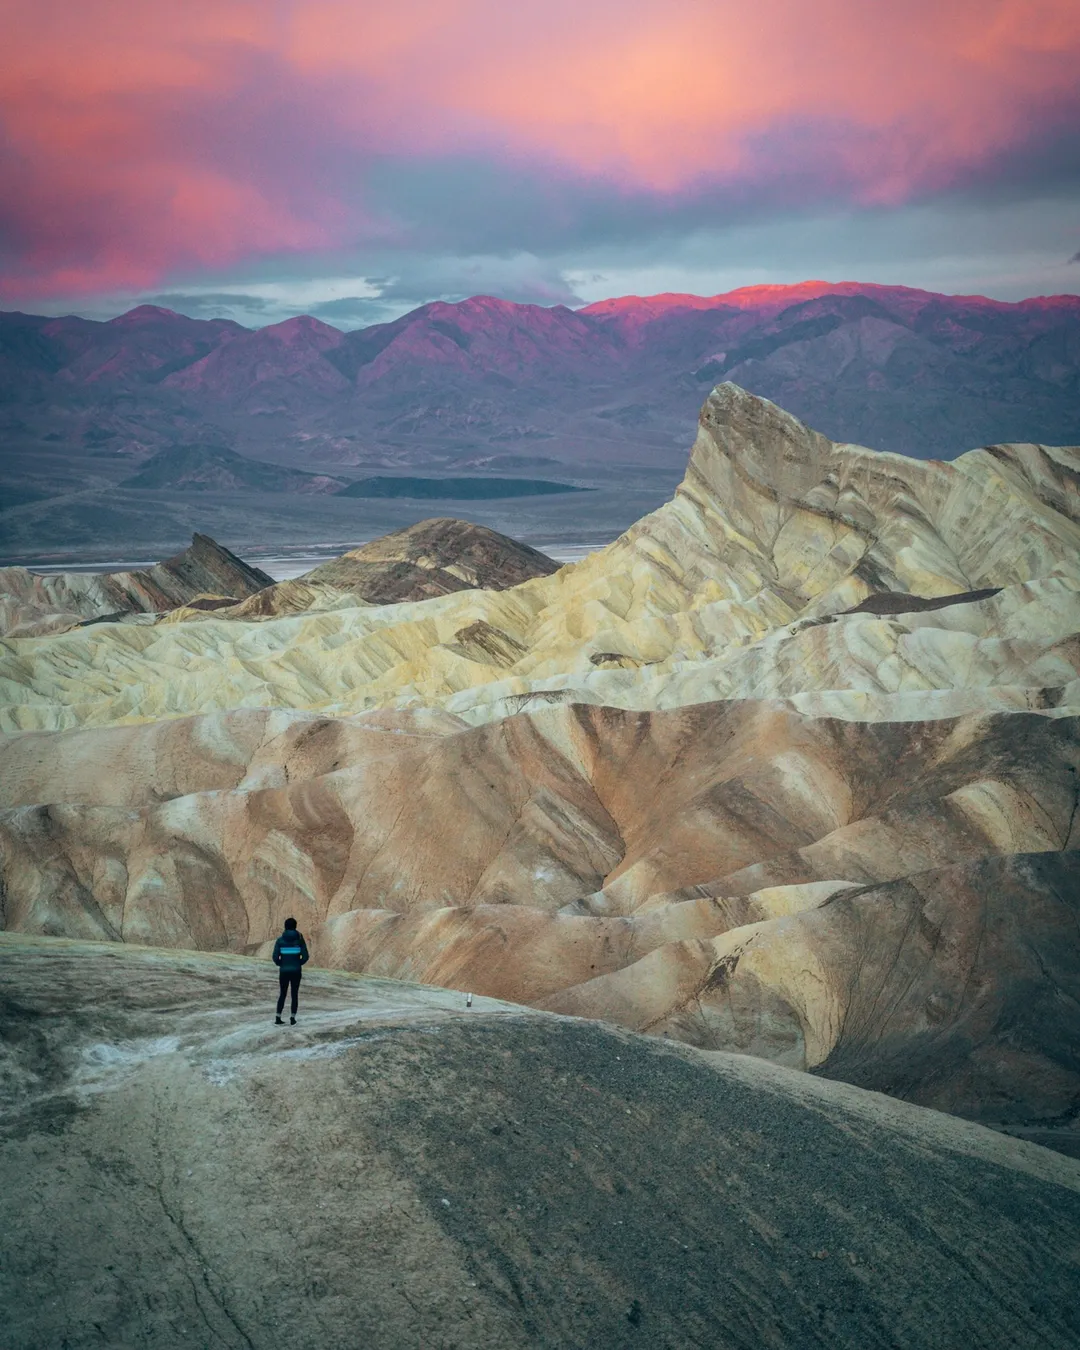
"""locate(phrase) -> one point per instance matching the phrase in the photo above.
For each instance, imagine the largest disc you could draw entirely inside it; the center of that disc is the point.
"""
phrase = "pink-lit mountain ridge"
(487, 385)
(892, 367)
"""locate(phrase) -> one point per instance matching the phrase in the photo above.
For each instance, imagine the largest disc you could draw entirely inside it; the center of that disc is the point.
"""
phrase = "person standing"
(290, 954)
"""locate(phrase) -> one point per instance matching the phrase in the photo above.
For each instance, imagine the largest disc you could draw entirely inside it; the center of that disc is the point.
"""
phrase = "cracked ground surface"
(399, 1171)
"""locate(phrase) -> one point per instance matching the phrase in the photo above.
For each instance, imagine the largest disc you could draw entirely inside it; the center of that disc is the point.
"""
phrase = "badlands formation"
(434, 557)
(206, 575)
(789, 769)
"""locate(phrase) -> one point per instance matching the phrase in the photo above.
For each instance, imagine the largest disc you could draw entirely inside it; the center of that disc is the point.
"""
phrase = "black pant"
(287, 978)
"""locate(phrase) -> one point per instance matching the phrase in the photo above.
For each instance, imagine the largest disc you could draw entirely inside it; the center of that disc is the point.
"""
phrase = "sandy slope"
(401, 1171)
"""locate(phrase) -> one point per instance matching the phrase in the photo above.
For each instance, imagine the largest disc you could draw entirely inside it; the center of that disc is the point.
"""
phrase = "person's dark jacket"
(290, 950)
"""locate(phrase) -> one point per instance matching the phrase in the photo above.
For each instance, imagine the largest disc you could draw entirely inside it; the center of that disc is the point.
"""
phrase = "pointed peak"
(772, 447)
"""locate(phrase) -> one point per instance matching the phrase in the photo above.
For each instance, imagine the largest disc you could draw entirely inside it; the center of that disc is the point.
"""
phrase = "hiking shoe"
(292, 1021)
(278, 1022)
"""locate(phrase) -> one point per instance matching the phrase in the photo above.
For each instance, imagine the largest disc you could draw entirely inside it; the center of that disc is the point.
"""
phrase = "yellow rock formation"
(790, 768)
(773, 529)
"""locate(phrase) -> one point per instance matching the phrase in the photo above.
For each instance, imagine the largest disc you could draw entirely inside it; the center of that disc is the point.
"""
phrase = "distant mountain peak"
(482, 302)
(625, 304)
(145, 314)
(485, 305)
(764, 296)
(302, 328)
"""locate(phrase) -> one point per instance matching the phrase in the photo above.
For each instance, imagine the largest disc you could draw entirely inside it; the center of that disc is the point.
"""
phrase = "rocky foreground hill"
(400, 1170)
(788, 769)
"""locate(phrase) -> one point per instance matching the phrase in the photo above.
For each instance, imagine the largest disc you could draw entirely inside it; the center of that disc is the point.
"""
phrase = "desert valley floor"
(755, 834)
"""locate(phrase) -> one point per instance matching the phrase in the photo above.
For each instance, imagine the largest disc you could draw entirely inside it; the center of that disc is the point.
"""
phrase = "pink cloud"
(139, 142)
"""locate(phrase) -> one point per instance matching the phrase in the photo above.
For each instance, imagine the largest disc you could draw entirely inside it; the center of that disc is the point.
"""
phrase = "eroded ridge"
(791, 768)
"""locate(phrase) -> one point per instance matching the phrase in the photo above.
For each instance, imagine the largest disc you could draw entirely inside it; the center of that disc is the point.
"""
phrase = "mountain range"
(604, 396)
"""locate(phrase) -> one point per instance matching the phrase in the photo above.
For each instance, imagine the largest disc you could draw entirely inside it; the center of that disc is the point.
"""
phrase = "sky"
(352, 159)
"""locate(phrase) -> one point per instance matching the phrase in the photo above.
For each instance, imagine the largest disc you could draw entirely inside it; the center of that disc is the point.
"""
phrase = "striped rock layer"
(791, 768)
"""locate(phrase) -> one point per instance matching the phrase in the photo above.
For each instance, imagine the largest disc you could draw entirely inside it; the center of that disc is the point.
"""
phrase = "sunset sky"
(352, 159)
